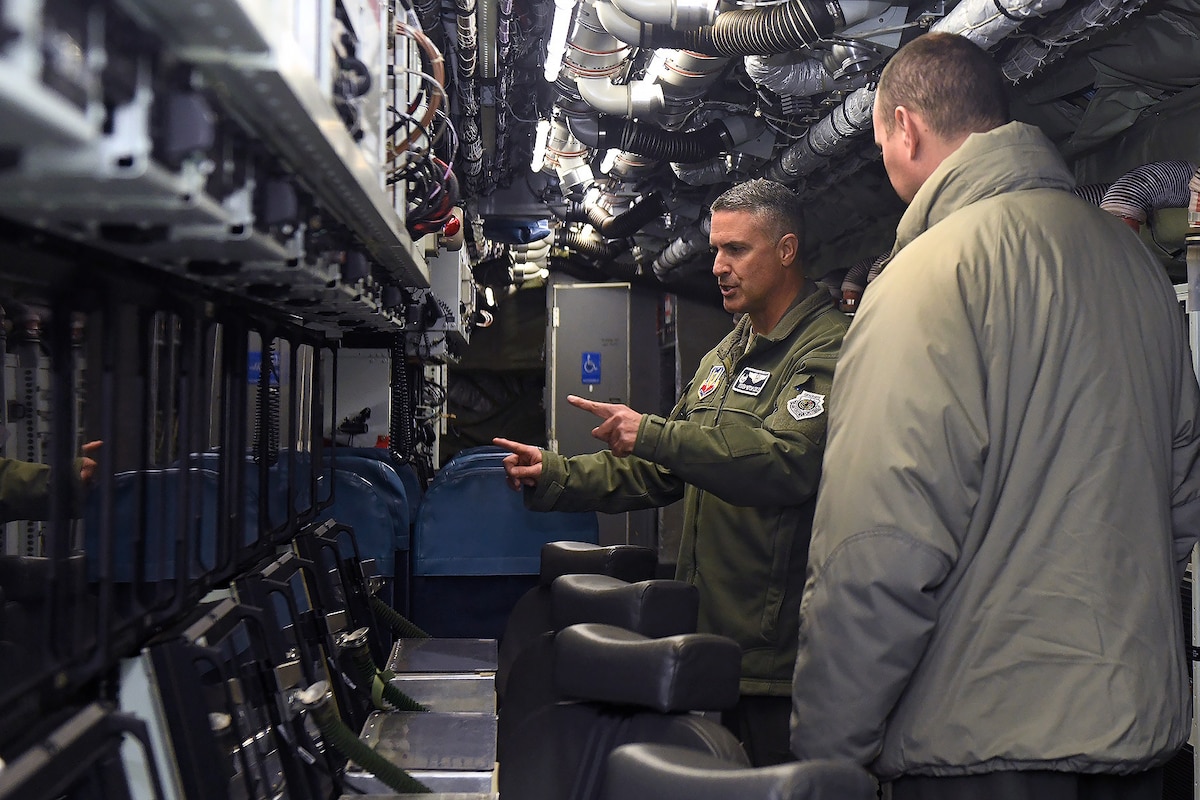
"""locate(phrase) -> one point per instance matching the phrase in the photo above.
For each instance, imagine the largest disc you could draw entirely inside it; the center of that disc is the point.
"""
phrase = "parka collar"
(1005, 159)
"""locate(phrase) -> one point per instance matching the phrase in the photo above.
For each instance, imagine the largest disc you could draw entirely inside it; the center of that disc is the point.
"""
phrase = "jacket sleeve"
(601, 482)
(902, 475)
(24, 490)
(776, 464)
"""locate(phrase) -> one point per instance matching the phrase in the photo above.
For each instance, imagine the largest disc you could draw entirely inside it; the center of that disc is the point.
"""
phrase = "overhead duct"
(1160, 184)
(591, 51)
(1035, 53)
(778, 28)
(591, 246)
(984, 22)
(715, 170)
(532, 253)
(825, 139)
(684, 78)
(650, 140)
(801, 79)
(1091, 192)
(621, 225)
(636, 99)
(694, 241)
(568, 156)
(678, 14)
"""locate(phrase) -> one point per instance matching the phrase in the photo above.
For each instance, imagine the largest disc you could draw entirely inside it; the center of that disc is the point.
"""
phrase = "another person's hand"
(523, 467)
(88, 465)
(619, 428)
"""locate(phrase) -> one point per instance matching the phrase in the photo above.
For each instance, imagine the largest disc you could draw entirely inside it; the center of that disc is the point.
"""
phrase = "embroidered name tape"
(751, 381)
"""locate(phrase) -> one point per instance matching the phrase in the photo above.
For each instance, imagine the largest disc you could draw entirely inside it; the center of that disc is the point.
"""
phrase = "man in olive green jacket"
(742, 447)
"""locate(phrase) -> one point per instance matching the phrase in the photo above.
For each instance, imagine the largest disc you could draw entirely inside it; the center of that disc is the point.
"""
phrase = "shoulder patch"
(806, 405)
(711, 382)
(751, 381)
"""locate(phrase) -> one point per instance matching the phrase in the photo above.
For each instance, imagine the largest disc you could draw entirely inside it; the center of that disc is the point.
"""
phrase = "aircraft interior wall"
(292, 264)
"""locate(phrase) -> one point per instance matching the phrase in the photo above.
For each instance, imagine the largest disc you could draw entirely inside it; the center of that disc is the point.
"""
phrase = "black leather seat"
(653, 608)
(665, 772)
(627, 688)
(531, 615)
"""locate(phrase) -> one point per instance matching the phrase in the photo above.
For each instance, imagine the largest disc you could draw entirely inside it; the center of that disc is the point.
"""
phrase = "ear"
(908, 130)
(787, 248)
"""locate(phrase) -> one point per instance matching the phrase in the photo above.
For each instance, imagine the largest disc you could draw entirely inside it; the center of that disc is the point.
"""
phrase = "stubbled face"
(751, 266)
(895, 156)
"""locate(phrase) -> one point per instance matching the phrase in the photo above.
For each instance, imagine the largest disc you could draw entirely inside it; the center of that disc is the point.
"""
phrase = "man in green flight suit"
(742, 447)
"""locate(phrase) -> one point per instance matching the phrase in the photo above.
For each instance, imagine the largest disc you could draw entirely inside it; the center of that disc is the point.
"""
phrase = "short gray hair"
(768, 199)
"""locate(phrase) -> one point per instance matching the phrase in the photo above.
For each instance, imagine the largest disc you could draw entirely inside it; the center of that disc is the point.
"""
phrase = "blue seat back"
(472, 523)
(149, 502)
(414, 489)
(382, 475)
(372, 515)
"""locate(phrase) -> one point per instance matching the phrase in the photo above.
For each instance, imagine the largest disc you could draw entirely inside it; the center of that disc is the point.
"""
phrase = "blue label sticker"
(254, 365)
(589, 368)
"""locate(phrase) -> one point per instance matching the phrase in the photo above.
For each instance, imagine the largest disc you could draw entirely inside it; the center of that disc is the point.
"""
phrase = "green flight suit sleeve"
(776, 464)
(601, 482)
(604, 482)
(25, 490)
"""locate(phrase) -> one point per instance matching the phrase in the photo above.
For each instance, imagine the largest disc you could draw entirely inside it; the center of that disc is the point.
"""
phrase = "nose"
(719, 266)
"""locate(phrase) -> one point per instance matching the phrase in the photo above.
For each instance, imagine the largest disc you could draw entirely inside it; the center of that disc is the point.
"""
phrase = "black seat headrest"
(669, 772)
(687, 672)
(629, 562)
(653, 608)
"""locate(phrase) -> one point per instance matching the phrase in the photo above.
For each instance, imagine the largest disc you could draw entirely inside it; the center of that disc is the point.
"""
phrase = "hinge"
(554, 317)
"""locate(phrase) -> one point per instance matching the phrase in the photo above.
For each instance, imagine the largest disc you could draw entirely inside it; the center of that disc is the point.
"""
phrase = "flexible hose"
(618, 226)
(1159, 184)
(368, 674)
(1091, 192)
(397, 623)
(589, 247)
(685, 147)
(766, 30)
(343, 740)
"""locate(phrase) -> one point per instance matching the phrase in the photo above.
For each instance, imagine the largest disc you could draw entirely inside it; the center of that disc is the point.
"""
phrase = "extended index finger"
(513, 447)
(604, 410)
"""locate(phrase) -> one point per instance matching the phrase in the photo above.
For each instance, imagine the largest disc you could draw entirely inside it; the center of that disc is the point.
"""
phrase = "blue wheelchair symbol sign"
(589, 368)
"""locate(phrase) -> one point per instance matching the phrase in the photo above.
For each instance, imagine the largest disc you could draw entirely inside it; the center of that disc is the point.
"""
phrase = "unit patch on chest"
(751, 381)
(711, 382)
(806, 405)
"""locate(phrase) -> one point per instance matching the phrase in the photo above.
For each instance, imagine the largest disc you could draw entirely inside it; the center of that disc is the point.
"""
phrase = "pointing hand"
(523, 465)
(619, 427)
